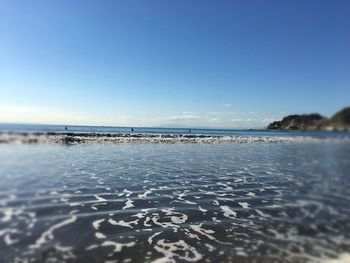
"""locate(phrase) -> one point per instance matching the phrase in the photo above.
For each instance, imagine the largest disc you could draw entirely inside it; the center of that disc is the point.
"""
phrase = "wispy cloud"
(184, 117)
(227, 105)
(228, 113)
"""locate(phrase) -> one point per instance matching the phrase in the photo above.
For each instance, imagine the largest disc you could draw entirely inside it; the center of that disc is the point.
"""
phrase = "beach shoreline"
(117, 138)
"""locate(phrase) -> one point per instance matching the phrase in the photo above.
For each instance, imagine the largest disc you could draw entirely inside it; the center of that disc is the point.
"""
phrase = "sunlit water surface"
(182, 202)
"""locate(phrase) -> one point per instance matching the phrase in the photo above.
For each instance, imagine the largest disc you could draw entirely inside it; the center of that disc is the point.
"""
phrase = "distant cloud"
(188, 113)
(184, 117)
(228, 113)
(227, 105)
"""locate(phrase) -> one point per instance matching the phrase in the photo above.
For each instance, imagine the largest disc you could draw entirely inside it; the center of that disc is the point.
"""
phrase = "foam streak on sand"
(75, 138)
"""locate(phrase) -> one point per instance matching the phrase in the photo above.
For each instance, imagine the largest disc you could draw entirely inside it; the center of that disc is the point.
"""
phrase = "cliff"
(338, 122)
(342, 117)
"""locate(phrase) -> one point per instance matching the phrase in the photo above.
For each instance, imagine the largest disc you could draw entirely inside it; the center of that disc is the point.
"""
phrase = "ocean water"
(30, 128)
(174, 202)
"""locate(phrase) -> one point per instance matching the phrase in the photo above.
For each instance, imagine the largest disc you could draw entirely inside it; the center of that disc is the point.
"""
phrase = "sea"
(227, 202)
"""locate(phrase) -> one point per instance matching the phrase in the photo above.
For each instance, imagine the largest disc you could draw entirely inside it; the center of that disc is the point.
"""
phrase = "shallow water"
(182, 202)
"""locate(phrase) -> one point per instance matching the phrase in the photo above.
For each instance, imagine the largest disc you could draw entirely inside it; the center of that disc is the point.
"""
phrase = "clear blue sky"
(234, 64)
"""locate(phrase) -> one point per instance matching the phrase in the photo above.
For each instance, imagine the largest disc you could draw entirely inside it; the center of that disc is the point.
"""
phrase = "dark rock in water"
(297, 122)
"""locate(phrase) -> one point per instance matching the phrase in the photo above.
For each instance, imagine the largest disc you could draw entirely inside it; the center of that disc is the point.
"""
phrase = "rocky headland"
(338, 122)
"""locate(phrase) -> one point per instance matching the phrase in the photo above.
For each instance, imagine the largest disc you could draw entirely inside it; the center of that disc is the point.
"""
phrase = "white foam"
(171, 250)
(277, 234)
(144, 195)
(100, 199)
(73, 212)
(228, 212)
(139, 215)
(67, 252)
(244, 204)
(9, 241)
(48, 234)
(241, 253)
(145, 223)
(127, 192)
(9, 213)
(210, 247)
(225, 186)
(5, 231)
(216, 220)
(156, 219)
(91, 247)
(128, 204)
(180, 197)
(96, 224)
(163, 260)
(261, 213)
(123, 223)
(202, 209)
(150, 239)
(99, 235)
(102, 138)
(117, 246)
(176, 217)
(202, 231)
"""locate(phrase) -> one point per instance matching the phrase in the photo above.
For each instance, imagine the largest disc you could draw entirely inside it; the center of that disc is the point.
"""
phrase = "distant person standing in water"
(132, 129)
(66, 128)
(189, 130)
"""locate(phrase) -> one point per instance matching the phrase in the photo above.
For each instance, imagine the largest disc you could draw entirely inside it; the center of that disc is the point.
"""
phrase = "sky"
(183, 63)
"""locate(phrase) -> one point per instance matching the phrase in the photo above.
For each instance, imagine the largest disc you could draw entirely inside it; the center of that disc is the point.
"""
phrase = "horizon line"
(153, 127)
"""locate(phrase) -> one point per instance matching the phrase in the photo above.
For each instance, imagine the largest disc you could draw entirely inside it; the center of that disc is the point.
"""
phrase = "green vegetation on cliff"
(338, 122)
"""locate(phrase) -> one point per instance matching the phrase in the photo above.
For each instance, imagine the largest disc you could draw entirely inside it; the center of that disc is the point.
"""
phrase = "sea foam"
(77, 138)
